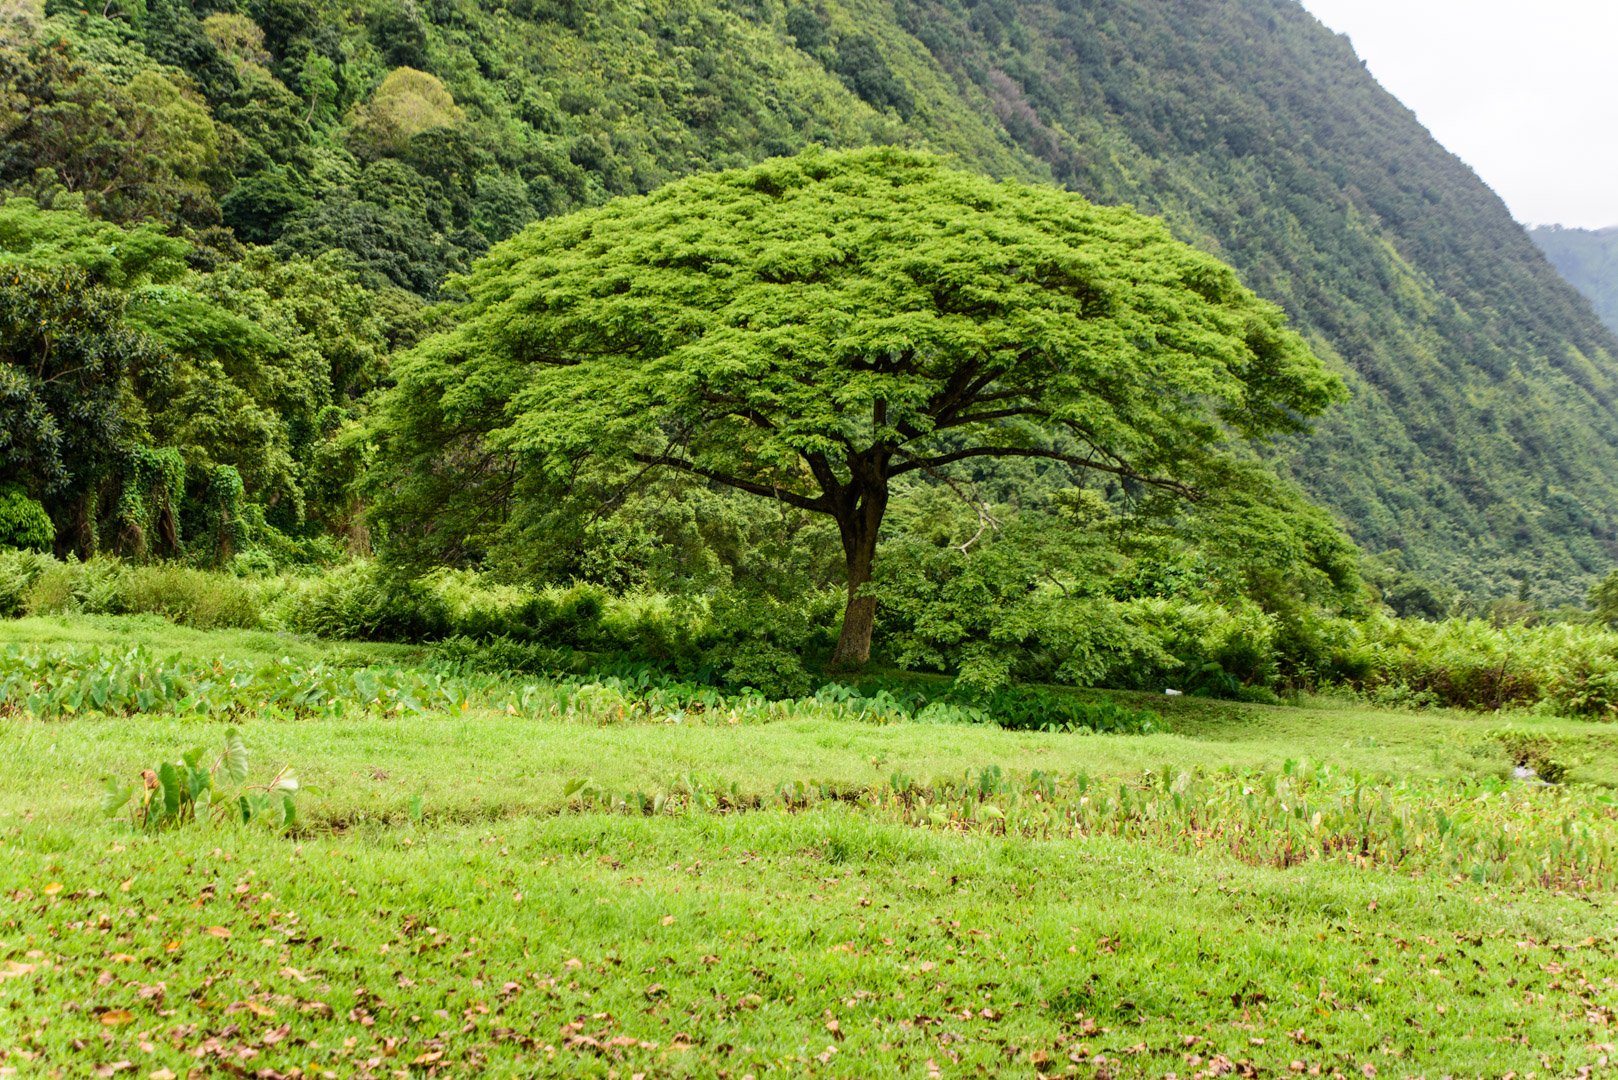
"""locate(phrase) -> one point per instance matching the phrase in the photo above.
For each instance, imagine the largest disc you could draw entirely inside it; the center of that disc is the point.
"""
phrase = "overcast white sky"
(1524, 92)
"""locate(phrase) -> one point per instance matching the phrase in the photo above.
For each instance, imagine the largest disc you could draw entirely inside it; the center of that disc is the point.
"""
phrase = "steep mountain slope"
(1588, 259)
(1483, 436)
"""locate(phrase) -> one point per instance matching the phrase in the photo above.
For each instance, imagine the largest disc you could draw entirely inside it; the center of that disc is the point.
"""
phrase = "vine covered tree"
(65, 356)
(812, 328)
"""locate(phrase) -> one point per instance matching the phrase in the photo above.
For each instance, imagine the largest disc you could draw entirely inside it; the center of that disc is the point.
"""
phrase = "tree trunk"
(75, 528)
(859, 526)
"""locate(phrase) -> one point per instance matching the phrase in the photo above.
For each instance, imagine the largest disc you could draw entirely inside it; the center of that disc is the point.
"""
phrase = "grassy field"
(812, 896)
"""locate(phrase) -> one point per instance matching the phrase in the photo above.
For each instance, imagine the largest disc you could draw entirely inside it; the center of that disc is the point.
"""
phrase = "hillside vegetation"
(376, 149)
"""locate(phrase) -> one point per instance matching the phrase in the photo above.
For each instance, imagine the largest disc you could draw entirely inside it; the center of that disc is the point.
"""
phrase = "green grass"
(506, 931)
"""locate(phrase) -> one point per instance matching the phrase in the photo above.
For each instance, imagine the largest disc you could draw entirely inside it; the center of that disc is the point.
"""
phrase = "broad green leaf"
(169, 777)
(234, 760)
(114, 797)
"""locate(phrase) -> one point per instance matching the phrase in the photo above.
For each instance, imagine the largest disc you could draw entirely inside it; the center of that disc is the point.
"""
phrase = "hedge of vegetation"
(734, 640)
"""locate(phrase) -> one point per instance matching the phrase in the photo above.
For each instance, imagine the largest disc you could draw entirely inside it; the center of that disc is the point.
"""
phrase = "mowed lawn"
(448, 909)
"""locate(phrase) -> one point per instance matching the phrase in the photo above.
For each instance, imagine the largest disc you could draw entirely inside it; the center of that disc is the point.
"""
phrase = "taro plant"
(175, 792)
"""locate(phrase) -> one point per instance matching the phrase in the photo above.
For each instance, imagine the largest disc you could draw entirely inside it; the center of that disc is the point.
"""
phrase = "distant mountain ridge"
(1588, 259)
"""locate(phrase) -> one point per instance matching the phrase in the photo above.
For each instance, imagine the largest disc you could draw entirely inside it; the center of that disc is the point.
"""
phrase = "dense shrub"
(111, 587)
(23, 521)
(19, 569)
(360, 601)
(1198, 648)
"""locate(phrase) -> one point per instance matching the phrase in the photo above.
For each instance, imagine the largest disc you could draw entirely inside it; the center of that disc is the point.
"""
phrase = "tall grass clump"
(41, 585)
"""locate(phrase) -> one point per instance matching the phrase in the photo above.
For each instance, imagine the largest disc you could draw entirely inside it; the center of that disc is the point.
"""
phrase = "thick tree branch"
(821, 469)
(792, 498)
(966, 396)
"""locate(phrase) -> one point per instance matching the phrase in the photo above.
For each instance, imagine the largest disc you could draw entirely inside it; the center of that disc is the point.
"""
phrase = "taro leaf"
(573, 786)
(113, 799)
(245, 807)
(289, 811)
(234, 761)
(287, 782)
(194, 755)
(169, 777)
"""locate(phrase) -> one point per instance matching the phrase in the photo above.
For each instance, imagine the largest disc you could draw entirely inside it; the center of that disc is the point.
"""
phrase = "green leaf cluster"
(172, 794)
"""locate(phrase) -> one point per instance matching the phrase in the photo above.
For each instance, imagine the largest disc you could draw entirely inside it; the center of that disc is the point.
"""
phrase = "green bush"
(360, 601)
(19, 569)
(23, 521)
(71, 586)
(502, 654)
(769, 669)
(112, 587)
(189, 597)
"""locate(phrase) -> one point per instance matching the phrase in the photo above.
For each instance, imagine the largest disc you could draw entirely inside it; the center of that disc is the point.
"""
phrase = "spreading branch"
(791, 498)
(986, 520)
(1117, 467)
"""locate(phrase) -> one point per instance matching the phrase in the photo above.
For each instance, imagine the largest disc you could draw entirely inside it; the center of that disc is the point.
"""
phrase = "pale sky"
(1524, 92)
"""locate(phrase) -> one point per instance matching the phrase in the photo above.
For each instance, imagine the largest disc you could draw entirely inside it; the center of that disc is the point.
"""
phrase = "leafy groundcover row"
(63, 682)
(1483, 830)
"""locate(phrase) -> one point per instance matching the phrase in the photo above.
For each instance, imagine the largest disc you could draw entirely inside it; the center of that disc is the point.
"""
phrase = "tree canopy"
(64, 353)
(810, 329)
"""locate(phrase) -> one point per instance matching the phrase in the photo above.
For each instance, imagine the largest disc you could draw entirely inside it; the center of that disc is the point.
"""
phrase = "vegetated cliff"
(1483, 436)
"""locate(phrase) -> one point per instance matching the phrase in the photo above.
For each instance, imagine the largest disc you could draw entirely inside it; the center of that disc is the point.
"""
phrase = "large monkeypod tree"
(809, 329)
